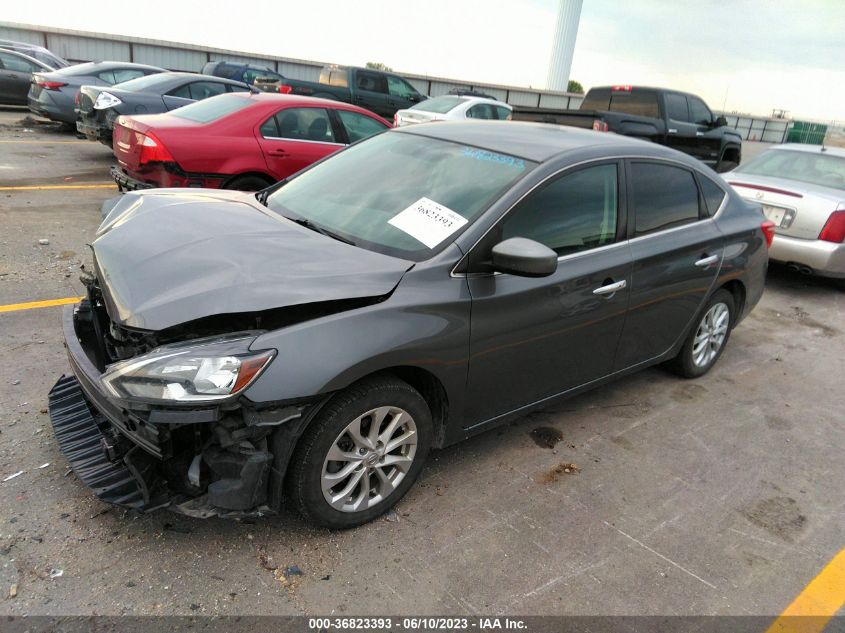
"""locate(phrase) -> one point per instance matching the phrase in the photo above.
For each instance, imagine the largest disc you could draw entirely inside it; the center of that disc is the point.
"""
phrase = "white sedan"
(802, 190)
(453, 108)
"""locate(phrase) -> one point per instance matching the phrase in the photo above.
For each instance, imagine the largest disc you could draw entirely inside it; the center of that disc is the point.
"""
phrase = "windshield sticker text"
(428, 222)
(483, 154)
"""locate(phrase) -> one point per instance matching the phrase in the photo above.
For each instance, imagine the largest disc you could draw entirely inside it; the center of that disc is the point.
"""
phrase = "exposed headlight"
(106, 100)
(201, 371)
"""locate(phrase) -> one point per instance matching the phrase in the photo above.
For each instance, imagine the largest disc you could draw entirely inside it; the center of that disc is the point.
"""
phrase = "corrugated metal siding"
(439, 88)
(21, 35)
(239, 59)
(560, 102)
(521, 98)
(170, 58)
(496, 93)
(303, 72)
(87, 49)
(420, 84)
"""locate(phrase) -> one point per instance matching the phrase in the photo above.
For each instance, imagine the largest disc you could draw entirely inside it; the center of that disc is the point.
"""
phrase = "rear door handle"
(278, 152)
(707, 261)
(699, 133)
(611, 289)
(672, 130)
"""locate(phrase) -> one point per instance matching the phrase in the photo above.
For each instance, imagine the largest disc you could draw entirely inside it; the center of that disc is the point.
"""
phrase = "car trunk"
(798, 210)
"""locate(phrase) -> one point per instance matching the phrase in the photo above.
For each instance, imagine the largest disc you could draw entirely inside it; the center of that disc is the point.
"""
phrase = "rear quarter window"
(713, 194)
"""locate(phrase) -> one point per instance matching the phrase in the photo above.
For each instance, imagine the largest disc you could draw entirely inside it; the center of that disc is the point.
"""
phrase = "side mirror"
(720, 122)
(524, 258)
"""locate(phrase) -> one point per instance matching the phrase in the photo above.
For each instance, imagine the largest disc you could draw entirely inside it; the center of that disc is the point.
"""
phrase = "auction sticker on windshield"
(428, 222)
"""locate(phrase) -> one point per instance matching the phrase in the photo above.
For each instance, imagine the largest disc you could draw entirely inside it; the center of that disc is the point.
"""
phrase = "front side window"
(575, 212)
(664, 197)
(699, 112)
(359, 126)
(371, 82)
(305, 124)
(481, 111)
(676, 107)
(358, 192)
(400, 88)
(15, 63)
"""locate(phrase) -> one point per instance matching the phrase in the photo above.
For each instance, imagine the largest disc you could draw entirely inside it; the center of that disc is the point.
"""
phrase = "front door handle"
(706, 262)
(672, 130)
(610, 289)
(699, 133)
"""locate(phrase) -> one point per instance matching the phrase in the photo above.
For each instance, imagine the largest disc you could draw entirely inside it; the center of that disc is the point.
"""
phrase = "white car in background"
(453, 108)
(802, 190)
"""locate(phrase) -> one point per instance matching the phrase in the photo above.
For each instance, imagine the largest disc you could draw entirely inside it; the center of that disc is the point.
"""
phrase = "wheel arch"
(257, 174)
(737, 290)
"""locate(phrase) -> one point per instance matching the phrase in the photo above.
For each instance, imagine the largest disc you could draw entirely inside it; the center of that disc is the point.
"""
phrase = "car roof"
(274, 97)
(95, 67)
(174, 76)
(811, 149)
(537, 142)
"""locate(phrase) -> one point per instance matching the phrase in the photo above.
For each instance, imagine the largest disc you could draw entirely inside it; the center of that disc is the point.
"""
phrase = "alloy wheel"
(710, 335)
(369, 459)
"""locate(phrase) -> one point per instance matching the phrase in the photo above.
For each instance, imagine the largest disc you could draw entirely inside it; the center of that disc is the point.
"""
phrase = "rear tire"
(708, 337)
(247, 183)
(375, 465)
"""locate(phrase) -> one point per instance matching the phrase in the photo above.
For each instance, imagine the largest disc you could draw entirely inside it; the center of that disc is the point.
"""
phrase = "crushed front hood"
(167, 257)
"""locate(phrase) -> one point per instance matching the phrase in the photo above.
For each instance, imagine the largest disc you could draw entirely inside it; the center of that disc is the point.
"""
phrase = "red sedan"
(235, 141)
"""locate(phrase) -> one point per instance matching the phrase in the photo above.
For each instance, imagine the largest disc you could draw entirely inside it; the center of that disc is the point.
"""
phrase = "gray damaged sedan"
(313, 342)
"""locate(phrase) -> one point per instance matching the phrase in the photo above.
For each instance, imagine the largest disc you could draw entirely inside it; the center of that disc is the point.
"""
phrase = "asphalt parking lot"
(721, 495)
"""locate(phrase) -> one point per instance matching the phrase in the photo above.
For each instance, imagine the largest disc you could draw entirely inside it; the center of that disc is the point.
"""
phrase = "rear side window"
(503, 113)
(636, 102)
(251, 74)
(305, 124)
(664, 196)
(359, 126)
(576, 212)
(205, 89)
(371, 82)
(126, 74)
(713, 194)
(212, 109)
(481, 111)
(676, 107)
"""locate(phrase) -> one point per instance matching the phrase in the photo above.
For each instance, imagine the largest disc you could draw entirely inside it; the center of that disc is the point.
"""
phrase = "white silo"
(563, 46)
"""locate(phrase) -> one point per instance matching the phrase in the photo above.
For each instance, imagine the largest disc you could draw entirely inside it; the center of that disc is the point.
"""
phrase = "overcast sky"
(745, 55)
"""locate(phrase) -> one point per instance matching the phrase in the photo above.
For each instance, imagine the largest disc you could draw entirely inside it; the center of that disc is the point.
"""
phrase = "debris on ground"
(16, 382)
(13, 591)
(561, 469)
(546, 436)
(42, 466)
(326, 577)
(56, 573)
(289, 576)
(266, 561)
(391, 516)
(44, 241)
(10, 477)
(180, 529)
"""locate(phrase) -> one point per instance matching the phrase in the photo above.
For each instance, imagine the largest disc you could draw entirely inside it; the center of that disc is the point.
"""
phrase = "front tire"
(361, 453)
(247, 183)
(708, 338)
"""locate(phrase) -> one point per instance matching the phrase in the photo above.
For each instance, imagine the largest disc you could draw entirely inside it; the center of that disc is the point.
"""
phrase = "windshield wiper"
(261, 196)
(308, 224)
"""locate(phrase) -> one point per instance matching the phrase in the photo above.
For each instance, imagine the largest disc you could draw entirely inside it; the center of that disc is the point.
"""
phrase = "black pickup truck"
(381, 92)
(677, 119)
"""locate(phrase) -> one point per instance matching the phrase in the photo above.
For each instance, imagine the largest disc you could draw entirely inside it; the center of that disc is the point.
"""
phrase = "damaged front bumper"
(201, 462)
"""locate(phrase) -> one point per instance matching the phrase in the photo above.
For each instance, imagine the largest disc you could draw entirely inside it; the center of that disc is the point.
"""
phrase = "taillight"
(395, 120)
(285, 89)
(768, 232)
(76, 98)
(153, 150)
(600, 126)
(834, 228)
(47, 85)
(622, 88)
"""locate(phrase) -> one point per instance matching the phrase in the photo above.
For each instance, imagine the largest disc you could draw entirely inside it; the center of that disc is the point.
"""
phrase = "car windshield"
(811, 167)
(145, 83)
(213, 108)
(400, 194)
(439, 105)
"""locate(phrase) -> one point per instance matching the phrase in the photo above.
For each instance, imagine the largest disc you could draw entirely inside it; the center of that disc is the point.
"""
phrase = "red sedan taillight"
(600, 126)
(285, 89)
(153, 150)
(48, 85)
(768, 232)
(834, 228)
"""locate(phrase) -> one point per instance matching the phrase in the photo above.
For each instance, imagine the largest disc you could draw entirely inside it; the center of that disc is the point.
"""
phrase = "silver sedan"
(802, 190)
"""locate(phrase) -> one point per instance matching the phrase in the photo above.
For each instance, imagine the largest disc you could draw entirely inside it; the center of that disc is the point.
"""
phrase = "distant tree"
(379, 66)
(574, 86)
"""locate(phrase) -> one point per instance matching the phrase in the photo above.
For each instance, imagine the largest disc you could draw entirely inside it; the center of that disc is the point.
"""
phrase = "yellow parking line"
(817, 603)
(99, 185)
(13, 307)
